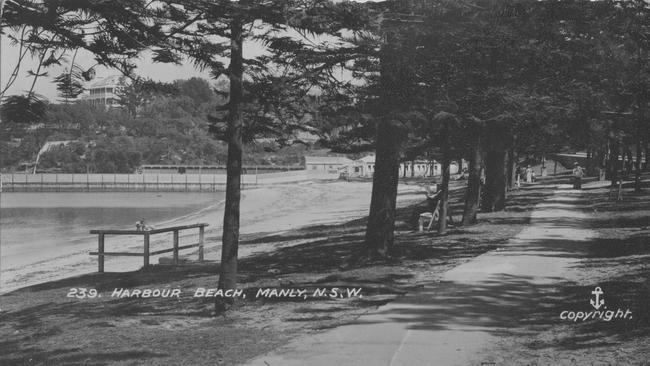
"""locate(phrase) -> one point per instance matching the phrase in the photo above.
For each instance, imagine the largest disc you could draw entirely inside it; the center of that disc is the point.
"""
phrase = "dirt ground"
(40, 325)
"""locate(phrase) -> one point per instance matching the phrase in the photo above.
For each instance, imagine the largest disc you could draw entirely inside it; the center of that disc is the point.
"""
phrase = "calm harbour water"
(44, 236)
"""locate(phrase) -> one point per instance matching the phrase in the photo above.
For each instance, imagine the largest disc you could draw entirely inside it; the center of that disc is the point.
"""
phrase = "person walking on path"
(529, 174)
(577, 176)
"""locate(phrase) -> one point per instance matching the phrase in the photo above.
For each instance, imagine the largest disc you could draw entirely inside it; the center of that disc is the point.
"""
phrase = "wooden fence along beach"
(44, 182)
(146, 252)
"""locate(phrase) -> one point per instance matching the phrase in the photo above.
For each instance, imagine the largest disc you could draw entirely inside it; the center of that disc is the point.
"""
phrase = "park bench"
(430, 216)
(146, 234)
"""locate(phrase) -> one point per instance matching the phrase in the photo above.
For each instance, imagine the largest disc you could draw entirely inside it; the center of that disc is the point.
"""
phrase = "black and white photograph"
(324, 182)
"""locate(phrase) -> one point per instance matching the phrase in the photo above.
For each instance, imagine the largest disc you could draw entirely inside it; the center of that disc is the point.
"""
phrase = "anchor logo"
(597, 302)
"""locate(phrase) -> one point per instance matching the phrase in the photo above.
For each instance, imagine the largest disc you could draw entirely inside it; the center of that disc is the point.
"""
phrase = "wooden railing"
(101, 253)
(58, 182)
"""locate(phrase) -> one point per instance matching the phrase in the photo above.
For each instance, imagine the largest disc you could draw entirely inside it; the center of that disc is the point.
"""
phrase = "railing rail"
(60, 182)
(147, 253)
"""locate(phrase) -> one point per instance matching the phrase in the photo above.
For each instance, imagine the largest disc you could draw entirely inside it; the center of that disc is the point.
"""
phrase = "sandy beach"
(273, 211)
(269, 210)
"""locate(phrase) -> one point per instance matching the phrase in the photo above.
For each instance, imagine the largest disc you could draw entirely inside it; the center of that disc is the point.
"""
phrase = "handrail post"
(100, 251)
(201, 234)
(175, 247)
(146, 249)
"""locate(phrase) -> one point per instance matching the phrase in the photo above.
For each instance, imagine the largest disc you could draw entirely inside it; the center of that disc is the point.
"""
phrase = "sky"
(146, 68)
(46, 87)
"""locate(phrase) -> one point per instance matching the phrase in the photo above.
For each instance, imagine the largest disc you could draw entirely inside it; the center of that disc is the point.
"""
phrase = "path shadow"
(525, 307)
(518, 307)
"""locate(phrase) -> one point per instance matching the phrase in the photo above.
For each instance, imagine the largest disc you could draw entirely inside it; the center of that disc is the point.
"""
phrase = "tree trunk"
(230, 238)
(637, 174)
(628, 160)
(473, 193)
(613, 163)
(494, 198)
(646, 149)
(607, 159)
(591, 159)
(381, 219)
(444, 196)
(602, 162)
(512, 168)
(379, 237)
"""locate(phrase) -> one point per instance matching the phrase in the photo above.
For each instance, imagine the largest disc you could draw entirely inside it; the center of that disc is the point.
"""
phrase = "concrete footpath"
(451, 320)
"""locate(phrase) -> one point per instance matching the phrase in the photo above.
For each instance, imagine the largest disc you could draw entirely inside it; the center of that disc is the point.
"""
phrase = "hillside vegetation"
(167, 126)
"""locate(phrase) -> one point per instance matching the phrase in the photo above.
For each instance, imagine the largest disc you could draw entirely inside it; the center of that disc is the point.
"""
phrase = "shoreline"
(265, 211)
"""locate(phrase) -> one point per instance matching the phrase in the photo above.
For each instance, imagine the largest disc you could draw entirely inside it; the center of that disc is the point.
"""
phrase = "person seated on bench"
(433, 203)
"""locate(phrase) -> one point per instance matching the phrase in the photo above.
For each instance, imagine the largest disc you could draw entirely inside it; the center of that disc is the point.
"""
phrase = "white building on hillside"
(105, 91)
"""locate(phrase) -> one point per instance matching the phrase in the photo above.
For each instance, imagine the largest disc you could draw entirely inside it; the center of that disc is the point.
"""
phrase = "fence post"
(201, 234)
(41, 182)
(175, 247)
(100, 252)
(146, 249)
(186, 182)
(13, 186)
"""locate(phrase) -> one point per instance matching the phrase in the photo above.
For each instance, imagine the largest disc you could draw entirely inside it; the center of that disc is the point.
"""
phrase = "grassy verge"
(41, 325)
